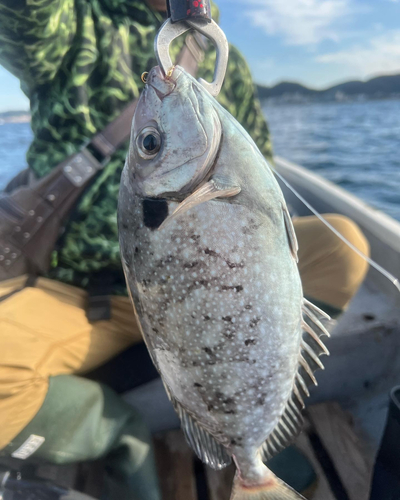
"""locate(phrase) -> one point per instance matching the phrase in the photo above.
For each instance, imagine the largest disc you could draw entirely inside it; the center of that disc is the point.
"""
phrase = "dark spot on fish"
(195, 237)
(250, 341)
(260, 401)
(155, 211)
(155, 330)
(234, 265)
(197, 384)
(208, 251)
(229, 401)
(207, 318)
(125, 225)
(190, 265)
(254, 322)
(210, 407)
(237, 288)
(208, 351)
(229, 412)
(227, 318)
(248, 306)
(237, 441)
(219, 394)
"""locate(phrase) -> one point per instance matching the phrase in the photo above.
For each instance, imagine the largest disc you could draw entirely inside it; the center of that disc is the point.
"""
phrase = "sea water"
(355, 145)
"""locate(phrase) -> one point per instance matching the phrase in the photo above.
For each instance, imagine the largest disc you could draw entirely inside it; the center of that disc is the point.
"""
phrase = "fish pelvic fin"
(272, 489)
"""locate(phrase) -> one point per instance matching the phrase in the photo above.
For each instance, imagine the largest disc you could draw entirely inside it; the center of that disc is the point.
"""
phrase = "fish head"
(175, 137)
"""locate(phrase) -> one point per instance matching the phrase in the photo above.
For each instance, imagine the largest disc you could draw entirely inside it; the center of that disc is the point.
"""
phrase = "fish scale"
(210, 261)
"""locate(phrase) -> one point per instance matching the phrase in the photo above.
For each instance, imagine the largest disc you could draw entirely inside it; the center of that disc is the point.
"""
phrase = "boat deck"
(337, 453)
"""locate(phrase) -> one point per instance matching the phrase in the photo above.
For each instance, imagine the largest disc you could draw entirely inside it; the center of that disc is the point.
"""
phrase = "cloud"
(381, 55)
(300, 22)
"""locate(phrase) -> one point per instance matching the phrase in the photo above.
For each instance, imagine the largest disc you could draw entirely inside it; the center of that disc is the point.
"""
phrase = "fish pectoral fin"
(214, 188)
(294, 246)
(202, 442)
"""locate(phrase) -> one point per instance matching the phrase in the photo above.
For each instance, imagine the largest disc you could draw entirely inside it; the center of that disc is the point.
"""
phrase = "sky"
(314, 42)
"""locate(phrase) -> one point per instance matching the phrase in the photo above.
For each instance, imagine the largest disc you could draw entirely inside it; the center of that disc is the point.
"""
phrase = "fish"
(210, 259)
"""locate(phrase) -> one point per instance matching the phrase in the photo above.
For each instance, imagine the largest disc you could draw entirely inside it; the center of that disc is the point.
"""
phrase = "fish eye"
(148, 143)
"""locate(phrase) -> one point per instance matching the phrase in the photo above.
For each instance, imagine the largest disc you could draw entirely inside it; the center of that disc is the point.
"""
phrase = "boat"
(365, 344)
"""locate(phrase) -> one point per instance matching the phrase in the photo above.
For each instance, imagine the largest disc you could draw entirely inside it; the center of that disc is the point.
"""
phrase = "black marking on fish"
(254, 322)
(237, 288)
(227, 319)
(155, 211)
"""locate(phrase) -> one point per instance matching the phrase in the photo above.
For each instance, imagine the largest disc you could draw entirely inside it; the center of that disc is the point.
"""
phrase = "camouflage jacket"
(79, 63)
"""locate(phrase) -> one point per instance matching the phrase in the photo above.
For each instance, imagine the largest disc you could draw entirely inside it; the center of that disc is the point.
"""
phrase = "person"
(80, 63)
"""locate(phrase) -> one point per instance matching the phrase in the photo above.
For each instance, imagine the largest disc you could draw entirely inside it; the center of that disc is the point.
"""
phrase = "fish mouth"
(163, 85)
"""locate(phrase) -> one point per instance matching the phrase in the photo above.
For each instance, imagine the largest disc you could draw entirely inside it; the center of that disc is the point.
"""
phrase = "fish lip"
(168, 81)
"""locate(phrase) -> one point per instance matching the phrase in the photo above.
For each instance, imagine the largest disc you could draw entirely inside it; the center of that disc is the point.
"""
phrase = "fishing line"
(371, 262)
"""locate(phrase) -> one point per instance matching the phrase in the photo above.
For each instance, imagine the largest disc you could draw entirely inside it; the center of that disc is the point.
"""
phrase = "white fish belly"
(219, 299)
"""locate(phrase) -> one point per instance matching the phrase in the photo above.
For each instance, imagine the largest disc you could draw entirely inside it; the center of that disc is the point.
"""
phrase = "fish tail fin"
(273, 489)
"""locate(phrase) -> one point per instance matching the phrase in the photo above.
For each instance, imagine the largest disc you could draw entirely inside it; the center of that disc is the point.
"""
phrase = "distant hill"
(15, 117)
(377, 88)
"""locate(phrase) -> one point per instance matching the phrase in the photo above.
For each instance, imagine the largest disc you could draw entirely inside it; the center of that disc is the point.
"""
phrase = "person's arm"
(35, 36)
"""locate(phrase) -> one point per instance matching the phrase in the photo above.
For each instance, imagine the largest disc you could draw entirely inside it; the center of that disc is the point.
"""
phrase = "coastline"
(26, 118)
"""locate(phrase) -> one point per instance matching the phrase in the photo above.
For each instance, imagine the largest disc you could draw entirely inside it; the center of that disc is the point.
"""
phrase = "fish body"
(209, 254)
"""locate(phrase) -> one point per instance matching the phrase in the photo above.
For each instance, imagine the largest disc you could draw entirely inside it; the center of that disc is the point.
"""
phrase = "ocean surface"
(356, 145)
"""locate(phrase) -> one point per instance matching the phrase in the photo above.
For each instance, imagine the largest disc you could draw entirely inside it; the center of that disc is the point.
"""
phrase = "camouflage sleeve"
(35, 36)
(239, 98)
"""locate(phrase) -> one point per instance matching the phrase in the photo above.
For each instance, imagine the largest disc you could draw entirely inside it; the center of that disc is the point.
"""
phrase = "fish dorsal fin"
(285, 431)
(291, 421)
(202, 442)
(294, 246)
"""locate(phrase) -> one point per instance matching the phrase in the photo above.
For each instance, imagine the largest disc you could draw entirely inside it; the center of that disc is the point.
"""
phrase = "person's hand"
(160, 5)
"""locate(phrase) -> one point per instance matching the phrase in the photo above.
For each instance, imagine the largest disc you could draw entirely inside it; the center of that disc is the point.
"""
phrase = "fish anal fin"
(294, 246)
(201, 441)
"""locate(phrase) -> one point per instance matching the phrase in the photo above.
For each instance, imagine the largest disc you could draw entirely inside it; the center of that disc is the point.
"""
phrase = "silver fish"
(210, 258)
